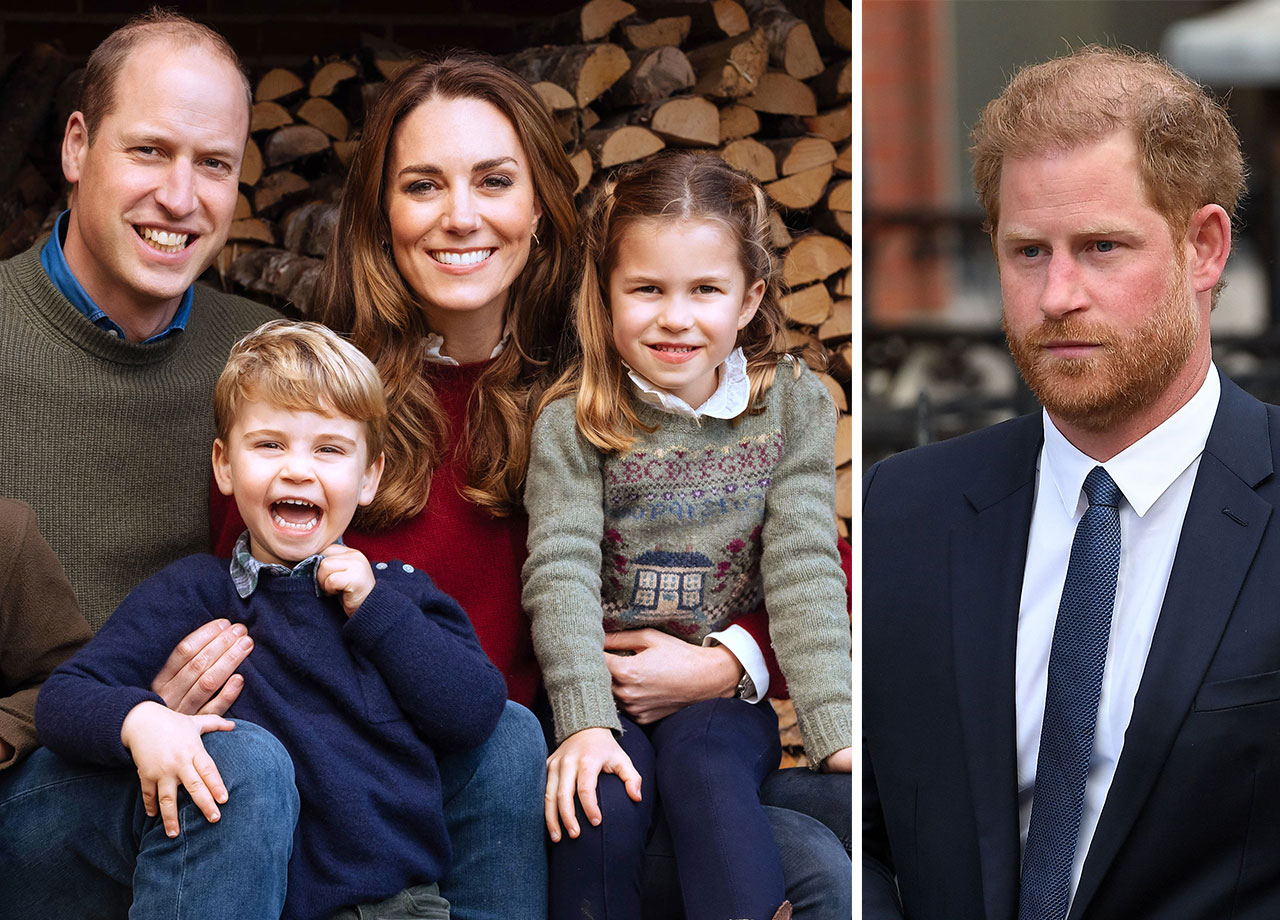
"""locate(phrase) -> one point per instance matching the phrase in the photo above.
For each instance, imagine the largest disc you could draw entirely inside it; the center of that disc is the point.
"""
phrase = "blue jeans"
(493, 809)
(75, 840)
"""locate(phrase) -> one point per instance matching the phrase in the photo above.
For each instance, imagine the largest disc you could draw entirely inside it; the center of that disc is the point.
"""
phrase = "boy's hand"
(345, 571)
(575, 765)
(167, 750)
(204, 661)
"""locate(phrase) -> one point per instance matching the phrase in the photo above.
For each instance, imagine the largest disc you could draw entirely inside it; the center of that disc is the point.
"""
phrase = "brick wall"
(906, 108)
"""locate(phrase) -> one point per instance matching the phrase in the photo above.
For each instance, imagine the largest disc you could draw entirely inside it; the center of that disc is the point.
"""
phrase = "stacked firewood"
(766, 85)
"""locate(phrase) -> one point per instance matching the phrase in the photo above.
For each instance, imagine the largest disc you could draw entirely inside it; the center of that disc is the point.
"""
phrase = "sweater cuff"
(826, 729)
(377, 616)
(581, 706)
(102, 731)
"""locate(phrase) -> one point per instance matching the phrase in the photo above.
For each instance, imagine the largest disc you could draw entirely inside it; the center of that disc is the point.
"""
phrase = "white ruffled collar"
(728, 401)
(432, 342)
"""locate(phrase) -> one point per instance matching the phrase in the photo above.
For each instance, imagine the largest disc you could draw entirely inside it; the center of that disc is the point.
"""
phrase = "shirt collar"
(246, 570)
(55, 265)
(432, 342)
(728, 401)
(1144, 469)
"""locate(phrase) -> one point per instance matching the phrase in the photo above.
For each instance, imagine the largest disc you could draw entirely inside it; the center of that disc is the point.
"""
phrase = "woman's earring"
(536, 241)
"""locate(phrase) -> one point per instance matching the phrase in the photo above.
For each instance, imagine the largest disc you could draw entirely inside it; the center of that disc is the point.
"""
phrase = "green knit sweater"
(685, 532)
(109, 440)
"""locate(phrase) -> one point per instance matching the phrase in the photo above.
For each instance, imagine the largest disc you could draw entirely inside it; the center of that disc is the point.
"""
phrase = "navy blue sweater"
(362, 704)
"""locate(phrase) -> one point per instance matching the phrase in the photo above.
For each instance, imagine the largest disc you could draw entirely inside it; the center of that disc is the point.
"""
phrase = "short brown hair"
(1188, 150)
(305, 367)
(97, 91)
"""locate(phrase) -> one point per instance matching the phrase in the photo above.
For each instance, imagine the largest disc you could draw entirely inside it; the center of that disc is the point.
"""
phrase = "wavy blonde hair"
(673, 185)
(363, 293)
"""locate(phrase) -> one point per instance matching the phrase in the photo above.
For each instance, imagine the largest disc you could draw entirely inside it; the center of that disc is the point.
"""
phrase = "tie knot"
(1101, 489)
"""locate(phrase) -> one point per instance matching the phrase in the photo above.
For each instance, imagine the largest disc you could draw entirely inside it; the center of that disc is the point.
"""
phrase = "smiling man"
(110, 354)
(111, 351)
(1070, 644)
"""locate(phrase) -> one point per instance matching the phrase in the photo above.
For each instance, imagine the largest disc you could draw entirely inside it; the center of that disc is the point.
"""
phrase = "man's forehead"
(165, 64)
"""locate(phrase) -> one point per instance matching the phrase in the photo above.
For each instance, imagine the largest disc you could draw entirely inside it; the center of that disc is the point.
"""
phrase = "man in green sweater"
(110, 354)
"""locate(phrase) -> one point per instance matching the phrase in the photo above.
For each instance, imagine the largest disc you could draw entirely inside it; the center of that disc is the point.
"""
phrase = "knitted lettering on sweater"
(473, 556)
(685, 532)
(109, 440)
(362, 705)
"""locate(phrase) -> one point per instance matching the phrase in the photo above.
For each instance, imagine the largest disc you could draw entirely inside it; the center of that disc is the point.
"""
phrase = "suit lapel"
(1220, 535)
(988, 553)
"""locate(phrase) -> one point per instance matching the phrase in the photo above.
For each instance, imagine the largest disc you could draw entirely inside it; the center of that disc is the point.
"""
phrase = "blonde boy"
(363, 672)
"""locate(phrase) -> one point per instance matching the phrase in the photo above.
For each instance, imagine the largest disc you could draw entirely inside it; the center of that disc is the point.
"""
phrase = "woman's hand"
(666, 674)
(203, 662)
(575, 766)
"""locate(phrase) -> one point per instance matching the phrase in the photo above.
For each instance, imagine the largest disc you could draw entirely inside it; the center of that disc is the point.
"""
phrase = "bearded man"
(1071, 637)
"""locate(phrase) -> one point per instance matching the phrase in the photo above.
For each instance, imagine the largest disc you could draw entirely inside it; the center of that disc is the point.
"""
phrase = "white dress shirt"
(1155, 475)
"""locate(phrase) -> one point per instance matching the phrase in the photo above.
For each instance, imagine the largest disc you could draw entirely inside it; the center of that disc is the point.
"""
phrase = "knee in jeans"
(254, 764)
(517, 750)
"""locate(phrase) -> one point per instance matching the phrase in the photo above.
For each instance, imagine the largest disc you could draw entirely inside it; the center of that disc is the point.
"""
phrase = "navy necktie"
(1076, 661)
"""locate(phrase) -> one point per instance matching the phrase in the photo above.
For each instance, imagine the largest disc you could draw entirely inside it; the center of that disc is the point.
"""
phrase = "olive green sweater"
(109, 440)
(685, 532)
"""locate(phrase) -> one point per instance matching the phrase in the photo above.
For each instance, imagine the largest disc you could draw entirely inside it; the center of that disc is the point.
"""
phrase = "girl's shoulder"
(797, 392)
(557, 415)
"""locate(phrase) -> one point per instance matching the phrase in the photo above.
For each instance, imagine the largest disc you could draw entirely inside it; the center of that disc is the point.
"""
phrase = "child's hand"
(346, 571)
(839, 762)
(575, 765)
(167, 750)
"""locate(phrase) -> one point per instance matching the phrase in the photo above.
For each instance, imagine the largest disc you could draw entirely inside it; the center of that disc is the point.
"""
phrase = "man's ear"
(372, 476)
(75, 147)
(221, 467)
(1208, 244)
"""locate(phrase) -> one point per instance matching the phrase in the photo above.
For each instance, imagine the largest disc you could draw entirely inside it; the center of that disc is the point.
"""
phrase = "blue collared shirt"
(55, 265)
(246, 570)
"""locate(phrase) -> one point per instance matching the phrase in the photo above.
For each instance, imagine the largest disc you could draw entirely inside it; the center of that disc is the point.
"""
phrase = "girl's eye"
(419, 186)
(269, 445)
(497, 182)
(330, 449)
(708, 289)
(647, 289)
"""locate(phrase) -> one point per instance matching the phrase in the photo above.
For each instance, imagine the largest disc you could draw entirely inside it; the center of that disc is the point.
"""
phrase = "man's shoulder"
(1000, 454)
(226, 313)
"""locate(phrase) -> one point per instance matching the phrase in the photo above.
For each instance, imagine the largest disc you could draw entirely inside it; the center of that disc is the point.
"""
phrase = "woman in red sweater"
(453, 270)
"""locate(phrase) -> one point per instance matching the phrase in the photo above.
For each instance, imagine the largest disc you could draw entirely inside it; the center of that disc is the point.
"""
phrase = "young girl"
(689, 479)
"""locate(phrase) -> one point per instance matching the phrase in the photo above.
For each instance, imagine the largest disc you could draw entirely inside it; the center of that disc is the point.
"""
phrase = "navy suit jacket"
(1191, 824)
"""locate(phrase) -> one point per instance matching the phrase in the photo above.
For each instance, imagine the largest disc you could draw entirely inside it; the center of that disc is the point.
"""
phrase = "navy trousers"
(703, 767)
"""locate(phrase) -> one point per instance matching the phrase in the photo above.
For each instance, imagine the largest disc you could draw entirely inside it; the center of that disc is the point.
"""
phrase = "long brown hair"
(363, 293)
(673, 185)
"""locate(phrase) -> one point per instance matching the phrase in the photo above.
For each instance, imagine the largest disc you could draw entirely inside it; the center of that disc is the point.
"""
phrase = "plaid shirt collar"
(245, 570)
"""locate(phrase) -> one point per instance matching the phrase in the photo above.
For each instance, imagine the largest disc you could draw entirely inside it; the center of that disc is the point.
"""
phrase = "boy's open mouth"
(164, 240)
(296, 514)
